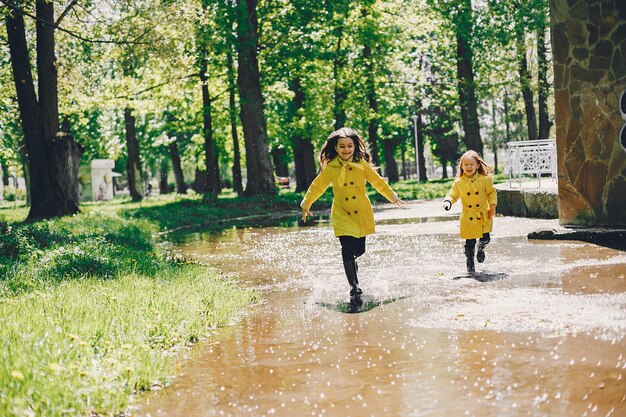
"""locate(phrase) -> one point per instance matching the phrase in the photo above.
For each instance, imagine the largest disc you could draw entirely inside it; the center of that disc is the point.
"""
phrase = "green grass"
(86, 346)
(91, 312)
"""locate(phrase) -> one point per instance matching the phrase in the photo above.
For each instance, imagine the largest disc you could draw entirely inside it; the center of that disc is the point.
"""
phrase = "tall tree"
(340, 89)
(525, 84)
(260, 179)
(370, 83)
(302, 147)
(133, 161)
(419, 137)
(181, 187)
(542, 77)
(463, 22)
(53, 155)
(210, 149)
(232, 115)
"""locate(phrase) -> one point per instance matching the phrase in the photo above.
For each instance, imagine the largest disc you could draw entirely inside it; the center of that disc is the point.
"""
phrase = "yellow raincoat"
(477, 194)
(351, 212)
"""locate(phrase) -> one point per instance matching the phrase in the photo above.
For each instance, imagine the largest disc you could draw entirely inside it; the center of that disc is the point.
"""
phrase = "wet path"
(545, 335)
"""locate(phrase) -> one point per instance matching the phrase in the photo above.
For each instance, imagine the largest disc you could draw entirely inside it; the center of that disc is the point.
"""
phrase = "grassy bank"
(91, 313)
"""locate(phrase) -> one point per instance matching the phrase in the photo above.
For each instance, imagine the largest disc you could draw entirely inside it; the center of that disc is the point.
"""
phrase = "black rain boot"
(469, 254)
(350, 267)
(482, 243)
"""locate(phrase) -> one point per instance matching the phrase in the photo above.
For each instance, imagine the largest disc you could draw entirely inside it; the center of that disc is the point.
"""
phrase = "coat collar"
(338, 163)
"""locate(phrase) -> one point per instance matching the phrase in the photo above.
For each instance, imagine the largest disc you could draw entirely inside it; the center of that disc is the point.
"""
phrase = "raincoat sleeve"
(317, 188)
(379, 183)
(453, 194)
(492, 194)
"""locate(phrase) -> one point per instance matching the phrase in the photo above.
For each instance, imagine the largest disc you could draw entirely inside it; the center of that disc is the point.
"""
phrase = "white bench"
(534, 157)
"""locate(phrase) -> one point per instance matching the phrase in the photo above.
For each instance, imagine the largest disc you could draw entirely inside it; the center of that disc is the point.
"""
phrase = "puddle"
(540, 330)
(357, 304)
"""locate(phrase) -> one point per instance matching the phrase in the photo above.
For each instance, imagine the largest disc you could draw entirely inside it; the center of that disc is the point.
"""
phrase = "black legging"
(351, 247)
(470, 244)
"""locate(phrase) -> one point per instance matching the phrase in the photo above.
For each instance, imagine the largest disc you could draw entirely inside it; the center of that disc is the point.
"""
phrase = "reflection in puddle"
(483, 276)
(357, 304)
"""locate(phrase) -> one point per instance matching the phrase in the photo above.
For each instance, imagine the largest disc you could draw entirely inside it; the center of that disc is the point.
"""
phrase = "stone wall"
(589, 49)
(534, 203)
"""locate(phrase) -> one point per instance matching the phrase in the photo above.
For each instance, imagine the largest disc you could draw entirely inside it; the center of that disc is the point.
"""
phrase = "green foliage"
(147, 57)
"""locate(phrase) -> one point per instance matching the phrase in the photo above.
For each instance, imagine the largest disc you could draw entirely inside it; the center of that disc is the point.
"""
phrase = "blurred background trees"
(207, 95)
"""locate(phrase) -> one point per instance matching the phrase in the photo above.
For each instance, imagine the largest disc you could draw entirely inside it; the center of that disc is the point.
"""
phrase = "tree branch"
(66, 11)
(153, 87)
(73, 34)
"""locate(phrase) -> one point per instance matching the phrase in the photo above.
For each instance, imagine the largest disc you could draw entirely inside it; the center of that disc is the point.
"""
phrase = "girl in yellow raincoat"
(345, 163)
(474, 187)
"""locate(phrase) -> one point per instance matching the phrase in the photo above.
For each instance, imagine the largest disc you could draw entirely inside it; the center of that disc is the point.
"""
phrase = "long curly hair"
(328, 152)
(483, 168)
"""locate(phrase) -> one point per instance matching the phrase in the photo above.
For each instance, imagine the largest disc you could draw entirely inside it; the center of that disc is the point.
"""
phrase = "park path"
(541, 332)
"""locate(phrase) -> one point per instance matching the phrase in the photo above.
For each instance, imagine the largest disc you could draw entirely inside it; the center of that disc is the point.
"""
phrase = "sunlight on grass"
(87, 345)
(91, 312)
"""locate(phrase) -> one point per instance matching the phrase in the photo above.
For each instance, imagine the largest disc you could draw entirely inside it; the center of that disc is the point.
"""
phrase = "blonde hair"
(483, 168)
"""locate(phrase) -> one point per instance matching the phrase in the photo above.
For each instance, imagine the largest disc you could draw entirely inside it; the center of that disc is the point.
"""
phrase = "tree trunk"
(232, 112)
(279, 158)
(419, 131)
(372, 99)
(444, 166)
(212, 170)
(163, 176)
(259, 170)
(391, 168)
(181, 187)
(544, 87)
(26, 172)
(494, 138)
(403, 155)
(5, 172)
(303, 152)
(341, 92)
(465, 73)
(53, 156)
(524, 76)
(507, 117)
(200, 182)
(133, 163)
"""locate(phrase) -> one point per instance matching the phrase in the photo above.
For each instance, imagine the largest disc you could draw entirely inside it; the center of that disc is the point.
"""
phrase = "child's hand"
(447, 205)
(399, 202)
(305, 212)
(492, 212)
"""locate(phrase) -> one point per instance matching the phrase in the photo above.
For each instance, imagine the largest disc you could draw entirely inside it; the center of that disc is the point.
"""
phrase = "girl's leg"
(352, 247)
(470, 245)
(359, 250)
(482, 242)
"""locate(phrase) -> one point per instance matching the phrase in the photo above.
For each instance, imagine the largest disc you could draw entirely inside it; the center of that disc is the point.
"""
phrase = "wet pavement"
(540, 331)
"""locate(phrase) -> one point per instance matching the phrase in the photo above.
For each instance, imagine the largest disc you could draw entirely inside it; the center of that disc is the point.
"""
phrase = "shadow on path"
(358, 304)
(483, 276)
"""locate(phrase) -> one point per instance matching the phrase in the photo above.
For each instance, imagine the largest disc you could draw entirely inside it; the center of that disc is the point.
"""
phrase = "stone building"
(589, 49)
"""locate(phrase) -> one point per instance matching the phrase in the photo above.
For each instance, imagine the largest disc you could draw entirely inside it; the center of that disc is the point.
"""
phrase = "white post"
(417, 160)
